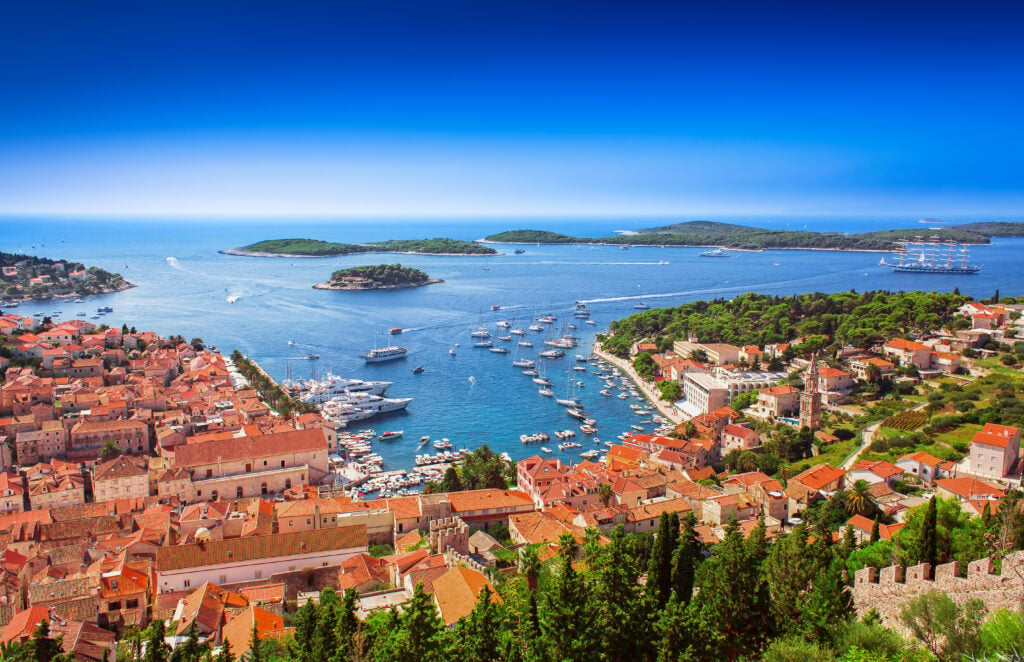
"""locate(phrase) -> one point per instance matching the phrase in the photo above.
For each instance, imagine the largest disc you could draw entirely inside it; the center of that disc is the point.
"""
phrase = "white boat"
(483, 343)
(591, 322)
(525, 343)
(481, 333)
(505, 338)
(389, 353)
(390, 434)
(499, 350)
(504, 324)
(536, 327)
(718, 252)
(524, 363)
(588, 455)
(331, 386)
(451, 351)
(580, 357)
(551, 354)
(546, 392)
(545, 449)
(517, 332)
(543, 381)
(424, 439)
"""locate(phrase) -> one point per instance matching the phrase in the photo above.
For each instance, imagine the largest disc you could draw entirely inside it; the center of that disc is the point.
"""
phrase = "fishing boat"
(390, 434)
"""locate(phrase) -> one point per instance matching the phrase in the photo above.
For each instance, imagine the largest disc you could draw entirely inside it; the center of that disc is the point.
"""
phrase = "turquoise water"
(184, 286)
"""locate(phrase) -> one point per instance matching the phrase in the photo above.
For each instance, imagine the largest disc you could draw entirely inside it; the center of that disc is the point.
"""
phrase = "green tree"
(482, 629)
(734, 597)
(565, 615)
(604, 493)
(109, 451)
(948, 630)
(685, 559)
(929, 536)
(191, 650)
(1003, 635)
(43, 647)
(616, 598)
(659, 566)
(255, 653)
(157, 649)
(420, 626)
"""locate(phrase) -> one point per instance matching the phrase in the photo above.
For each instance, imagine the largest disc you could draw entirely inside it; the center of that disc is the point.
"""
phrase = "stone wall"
(886, 590)
(449, 532)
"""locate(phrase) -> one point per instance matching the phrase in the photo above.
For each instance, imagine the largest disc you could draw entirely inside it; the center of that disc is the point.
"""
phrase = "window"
(114, 606)
(288, 483)
(131, 604)
(258, 574)
(282, 464)
(209, 473)
(238, 493)
(223, 579)
(186, 583)
(199, 493)
(248, 467)
(263, 488)
(264, 463)
(213, 495)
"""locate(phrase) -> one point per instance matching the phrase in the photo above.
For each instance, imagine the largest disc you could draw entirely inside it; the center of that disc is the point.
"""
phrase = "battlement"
(886, 589)
(448, 532)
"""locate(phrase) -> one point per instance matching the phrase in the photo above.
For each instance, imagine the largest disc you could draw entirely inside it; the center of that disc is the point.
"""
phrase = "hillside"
(728, 235)
(320, 248)
(758, 319)
(30, 277)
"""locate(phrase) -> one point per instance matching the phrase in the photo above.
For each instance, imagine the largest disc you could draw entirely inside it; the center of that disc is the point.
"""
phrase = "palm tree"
(858, 498)
(529, 566)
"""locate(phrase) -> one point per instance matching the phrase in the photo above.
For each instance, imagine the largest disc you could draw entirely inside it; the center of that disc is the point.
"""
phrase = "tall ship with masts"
(931, 257)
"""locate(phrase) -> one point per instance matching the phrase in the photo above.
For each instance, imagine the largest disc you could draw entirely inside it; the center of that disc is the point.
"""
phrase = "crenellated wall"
(887, 589)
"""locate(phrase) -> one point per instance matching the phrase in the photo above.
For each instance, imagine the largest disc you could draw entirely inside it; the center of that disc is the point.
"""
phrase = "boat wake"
(233, 298)
(173, 262)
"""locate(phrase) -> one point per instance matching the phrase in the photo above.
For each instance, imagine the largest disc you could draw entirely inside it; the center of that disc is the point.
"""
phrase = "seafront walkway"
(649, 389)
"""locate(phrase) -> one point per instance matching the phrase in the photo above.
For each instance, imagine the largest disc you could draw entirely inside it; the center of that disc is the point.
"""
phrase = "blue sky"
(511, 108)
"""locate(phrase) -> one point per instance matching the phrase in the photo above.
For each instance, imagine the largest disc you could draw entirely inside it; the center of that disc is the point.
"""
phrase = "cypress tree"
(874, 530)
(659, 567)
(255, 653)
(43, 647)
(929, 536)
(157, 649)
(224, 655)
(483, 625)
(617, 598)
(420, 626)
(348, 626)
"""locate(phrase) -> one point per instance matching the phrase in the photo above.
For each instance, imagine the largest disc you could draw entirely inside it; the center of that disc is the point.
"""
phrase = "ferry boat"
(931, 257)
(718, 252)
(389, 353)
(390, 434)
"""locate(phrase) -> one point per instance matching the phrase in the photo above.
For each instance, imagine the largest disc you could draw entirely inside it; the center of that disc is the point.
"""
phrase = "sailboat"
(640, 305)
(570, 399)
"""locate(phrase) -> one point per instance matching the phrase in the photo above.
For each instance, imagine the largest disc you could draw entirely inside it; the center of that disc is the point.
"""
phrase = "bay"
(184, 286)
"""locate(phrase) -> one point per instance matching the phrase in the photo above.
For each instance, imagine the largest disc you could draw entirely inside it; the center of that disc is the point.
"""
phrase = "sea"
(266, 307)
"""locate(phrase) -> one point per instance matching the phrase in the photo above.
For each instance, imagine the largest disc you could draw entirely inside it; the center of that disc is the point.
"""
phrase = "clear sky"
(510, 108)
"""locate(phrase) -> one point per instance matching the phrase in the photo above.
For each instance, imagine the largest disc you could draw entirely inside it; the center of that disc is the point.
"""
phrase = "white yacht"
(390, 353)
(332, 386)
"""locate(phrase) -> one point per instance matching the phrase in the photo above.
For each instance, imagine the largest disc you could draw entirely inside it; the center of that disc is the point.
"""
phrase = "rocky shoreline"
(367, 288)
(69, 296)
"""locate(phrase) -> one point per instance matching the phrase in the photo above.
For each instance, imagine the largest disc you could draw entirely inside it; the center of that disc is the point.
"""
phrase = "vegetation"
(20, 286)
(709, 233)
(480, 469)
(319, 248)
(383, 275)
(532, 237)
(831, 320)
(270, 393)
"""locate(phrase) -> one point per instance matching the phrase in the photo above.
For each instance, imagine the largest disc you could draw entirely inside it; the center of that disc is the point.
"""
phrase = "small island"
(26, 277)
(743, 237)
(377, 277)
(320, 248)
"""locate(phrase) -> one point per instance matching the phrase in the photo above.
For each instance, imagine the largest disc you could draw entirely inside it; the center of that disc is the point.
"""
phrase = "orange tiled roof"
(456, 591)
(818, 476)
(237, 550)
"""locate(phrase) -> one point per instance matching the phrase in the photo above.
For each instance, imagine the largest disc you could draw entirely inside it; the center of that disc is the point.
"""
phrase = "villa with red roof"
(925, 466)
(909, 352)
(994, 450)
(875, 472)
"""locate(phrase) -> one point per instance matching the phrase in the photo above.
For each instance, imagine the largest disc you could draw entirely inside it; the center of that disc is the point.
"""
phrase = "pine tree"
(849, 544)
(828, 604)
(565, 619)
(43, 647)
(224, 655)
(348, 626)
(157, 649)
(734, 598)
(684, 560)
(790, 570)
(191, 650)
(484, 623)
(255, 653)
(305, 622)
(617, 598)
(419, 627)
(659, 566)
(929, 536)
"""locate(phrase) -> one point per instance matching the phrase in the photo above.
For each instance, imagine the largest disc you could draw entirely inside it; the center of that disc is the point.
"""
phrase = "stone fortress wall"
(886, 590)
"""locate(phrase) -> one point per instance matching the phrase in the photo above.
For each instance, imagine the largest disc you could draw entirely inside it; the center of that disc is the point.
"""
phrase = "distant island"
(742, 237)
(26, 277)
(377, 277)
(319, 248)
